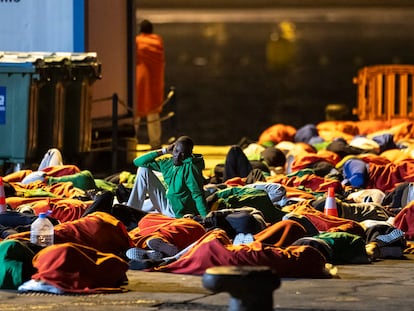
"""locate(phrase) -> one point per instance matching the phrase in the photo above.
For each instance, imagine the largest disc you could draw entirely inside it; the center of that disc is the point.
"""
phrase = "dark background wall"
(235, 76)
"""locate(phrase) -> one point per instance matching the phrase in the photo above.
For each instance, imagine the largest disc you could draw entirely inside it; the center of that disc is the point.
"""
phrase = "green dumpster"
(45, 102)
(18, 108)
(54, 73)
(65, 99)
(85, 69)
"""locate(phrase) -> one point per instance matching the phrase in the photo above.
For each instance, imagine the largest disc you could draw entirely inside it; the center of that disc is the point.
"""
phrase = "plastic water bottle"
(42, 231)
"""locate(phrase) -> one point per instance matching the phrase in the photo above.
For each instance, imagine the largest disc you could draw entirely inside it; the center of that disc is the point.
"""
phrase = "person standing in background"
(150, 65)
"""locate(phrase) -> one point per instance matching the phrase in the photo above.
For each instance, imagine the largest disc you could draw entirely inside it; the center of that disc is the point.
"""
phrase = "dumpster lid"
(29, 61)
(22, 57)
(17, 57)
(76, 56)
(16, 63)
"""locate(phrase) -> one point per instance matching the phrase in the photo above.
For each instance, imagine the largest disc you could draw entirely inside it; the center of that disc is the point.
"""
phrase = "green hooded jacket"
(184, 183)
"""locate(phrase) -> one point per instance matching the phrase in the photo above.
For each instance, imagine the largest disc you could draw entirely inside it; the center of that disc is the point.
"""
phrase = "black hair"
(146, 26)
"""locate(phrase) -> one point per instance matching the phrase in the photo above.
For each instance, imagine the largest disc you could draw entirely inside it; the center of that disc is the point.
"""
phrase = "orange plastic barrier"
(385, 92)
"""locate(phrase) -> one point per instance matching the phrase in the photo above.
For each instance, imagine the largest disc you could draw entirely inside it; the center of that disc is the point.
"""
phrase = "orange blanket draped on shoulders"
(149, 74)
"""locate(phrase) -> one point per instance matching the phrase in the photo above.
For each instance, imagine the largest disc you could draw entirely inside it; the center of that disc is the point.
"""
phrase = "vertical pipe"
(114, 132)
(173, 122)
(131, 32)
(59, 121)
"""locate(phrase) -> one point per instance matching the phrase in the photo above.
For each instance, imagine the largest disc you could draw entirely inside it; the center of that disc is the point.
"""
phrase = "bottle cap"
(42, 215)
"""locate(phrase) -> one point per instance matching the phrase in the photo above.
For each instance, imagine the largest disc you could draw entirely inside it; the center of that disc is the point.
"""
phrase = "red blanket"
(98, 230)
(325, 222)
(181, 231)
(215, 249)
(80, 269)
(404, 220)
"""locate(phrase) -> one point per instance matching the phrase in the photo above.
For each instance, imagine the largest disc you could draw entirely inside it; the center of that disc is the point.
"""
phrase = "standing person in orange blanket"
(150, 65)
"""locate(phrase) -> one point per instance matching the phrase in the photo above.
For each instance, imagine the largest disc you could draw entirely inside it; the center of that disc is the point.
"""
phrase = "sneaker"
(391, 237)
(158, 244)
(139, 254)
(243, 238)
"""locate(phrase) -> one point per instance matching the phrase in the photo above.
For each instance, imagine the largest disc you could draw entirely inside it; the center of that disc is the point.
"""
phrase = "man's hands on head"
(165, 150)
(170, 148)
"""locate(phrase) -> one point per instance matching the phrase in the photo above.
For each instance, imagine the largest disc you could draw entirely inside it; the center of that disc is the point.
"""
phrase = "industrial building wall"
(107, 34)
(237, 71)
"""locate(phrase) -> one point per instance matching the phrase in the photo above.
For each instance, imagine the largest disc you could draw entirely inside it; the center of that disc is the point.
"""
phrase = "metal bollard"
(250, 287)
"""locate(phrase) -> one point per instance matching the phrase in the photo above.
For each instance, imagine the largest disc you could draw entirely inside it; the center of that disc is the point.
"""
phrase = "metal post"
(173, 121)
(250, 287)
(114, 132)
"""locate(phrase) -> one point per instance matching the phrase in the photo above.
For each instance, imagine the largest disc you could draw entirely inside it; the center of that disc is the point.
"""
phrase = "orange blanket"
(98, 230)
(293, 261)
(178, 231)
(325, 223)
(76, 268)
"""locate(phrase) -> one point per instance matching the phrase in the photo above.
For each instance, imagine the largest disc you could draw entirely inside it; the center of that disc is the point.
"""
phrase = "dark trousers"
(238, 165)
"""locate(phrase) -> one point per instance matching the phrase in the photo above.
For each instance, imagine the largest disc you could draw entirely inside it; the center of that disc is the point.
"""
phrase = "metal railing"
(113, 143)
(385, 92)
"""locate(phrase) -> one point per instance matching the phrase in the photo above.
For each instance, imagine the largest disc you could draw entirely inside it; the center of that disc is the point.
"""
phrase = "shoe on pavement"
(136, 253)
(158, 244)
(391, 237)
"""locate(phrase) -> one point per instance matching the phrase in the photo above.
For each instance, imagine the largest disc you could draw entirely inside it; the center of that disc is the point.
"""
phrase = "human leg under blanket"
(166, 234)
(236, 164)
(216, 249)
(281, 234)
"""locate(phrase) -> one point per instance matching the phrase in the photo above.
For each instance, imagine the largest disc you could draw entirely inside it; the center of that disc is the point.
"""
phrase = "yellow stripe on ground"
(213, 155)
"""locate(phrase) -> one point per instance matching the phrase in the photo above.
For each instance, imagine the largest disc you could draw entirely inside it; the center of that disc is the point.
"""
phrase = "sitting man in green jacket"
(180, 191)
